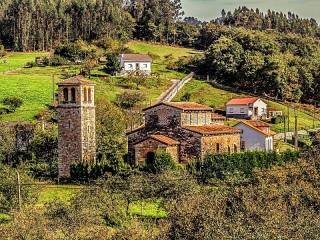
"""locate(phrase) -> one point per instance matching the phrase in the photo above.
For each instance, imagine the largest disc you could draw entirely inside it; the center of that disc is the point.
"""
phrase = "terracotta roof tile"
(271, 133)
(257, 123)
(217, 116)
(191, 106)
(76, 80)
(164, 139)
(136, 57)
(213, 130)
(273, 109)
(241, 101)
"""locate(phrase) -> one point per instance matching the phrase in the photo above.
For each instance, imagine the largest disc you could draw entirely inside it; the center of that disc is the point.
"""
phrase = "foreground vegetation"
(174, 204)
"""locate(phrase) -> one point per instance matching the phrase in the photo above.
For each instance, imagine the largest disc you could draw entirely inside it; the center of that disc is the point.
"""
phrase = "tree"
(129, 99)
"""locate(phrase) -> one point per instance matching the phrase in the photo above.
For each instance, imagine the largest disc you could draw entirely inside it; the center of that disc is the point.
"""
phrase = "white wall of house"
(254, 140)
(248, 110)
(262, 107)
(238, 110)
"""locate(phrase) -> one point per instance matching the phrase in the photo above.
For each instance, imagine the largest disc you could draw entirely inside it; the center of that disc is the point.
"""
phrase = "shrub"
(129, 99)
(30, 64)
(276, 120)
(162, 162)
(12, 102)
(186, 97)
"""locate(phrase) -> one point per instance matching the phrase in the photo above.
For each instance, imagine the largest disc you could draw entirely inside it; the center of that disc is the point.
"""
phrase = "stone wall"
(220, 143)
(150, 145)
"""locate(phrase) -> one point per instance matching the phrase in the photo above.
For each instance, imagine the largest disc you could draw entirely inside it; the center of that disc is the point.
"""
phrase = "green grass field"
(18, 60)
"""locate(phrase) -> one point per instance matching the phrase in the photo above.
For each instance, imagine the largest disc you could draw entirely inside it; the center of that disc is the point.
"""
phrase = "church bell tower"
(76, 123)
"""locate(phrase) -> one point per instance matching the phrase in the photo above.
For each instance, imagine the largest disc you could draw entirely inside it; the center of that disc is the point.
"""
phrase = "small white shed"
(135, 62)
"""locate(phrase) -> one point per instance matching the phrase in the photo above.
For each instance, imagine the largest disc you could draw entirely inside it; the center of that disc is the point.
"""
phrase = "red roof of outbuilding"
(164, 139)
(242, 101)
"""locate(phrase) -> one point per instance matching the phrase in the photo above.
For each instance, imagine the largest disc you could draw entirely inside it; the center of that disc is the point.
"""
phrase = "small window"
(229, 149)
(89, 95)
(65, 94)
(217, 147)
(235, 148)
(196, 118)
(73, 95)
(145, 65)
(242, 145)
(188, 119)
(85, 95)
(241, 110)
(203, 118)
(230, 110)
(130, 65)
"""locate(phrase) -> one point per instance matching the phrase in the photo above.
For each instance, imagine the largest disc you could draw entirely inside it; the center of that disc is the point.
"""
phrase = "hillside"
(34, 85)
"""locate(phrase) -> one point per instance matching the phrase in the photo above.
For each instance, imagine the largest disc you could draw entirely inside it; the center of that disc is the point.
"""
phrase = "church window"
(85, 94)
(203, 118)
(162, 116)
(69, 124)
(196, 118)
(73, 94)
(65, 95)
(188, 121)
(235, 148)
(229, 149)
(217, 147)
(89, 95)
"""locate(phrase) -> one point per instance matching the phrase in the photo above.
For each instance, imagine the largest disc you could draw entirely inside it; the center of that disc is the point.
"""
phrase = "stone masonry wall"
(226, 142)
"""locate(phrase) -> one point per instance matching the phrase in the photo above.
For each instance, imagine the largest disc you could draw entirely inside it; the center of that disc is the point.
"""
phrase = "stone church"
(185, 130)
(76, 123)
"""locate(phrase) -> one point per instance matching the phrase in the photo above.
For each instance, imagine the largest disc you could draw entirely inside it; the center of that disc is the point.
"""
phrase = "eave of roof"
(136, 130)
(242, 101)
(136, 57)
(213, 130)
(76, 80)
(186, 106)
(270, 134)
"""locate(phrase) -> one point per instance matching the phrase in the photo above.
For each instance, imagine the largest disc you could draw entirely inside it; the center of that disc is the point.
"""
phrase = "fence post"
(19, 191)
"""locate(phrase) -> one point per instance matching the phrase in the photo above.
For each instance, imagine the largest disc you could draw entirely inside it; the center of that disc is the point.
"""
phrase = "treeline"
(278, 21)
(42, 25)
(279, 65)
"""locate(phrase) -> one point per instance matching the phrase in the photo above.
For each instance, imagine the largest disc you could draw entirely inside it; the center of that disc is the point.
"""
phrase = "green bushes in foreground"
(222, 165)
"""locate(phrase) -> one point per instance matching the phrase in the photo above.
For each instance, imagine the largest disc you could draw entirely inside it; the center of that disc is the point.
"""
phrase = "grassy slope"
(34, 85)
(216, 97)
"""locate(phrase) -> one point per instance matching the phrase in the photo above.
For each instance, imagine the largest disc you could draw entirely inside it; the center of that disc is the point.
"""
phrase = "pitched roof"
(273, 109)
(76, 80)
(136, 57)
(191, 106)
(164, 139)
(136, 129)
(213, 130)
(242, 101)
(215, 116)
(271, 133)
(258, 123)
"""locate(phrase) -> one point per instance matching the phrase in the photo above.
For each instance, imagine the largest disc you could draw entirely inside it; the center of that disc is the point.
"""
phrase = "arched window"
(65, 94)
(229, 149)
(89, 95)
(73, 94)
(235, 148)
(85, 93)
(217, 147)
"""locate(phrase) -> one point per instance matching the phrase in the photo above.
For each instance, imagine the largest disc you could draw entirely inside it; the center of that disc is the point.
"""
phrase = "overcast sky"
(206, 10)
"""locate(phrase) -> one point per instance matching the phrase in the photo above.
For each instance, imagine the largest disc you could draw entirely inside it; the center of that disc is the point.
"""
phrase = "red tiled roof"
(242, 101)
(136, 57)
(164, 139)
(273, 109)
(76, 80)
(212, 130)
(184, 106)
(217, 116)
(271, 133)
(257, 123)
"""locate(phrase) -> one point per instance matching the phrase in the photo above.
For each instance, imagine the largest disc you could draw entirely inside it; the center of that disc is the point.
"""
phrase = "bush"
(54, 61)
(12, 102)
(276, 120)
(129, 99)
(162, 162)
(30, 64)
(186, 97)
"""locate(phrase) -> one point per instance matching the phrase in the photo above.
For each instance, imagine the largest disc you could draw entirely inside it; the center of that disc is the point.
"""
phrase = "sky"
(206, 10)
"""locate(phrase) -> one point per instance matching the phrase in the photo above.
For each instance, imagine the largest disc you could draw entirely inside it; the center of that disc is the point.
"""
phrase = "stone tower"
(76, 123)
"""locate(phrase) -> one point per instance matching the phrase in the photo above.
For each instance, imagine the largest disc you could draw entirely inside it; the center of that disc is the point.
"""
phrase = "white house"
(135, 62)
(256, 135)
(246, 108)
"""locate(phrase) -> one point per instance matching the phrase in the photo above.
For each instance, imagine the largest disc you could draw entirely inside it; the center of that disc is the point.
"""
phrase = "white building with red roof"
(256, 135)
(135, 62)
(246, 108)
